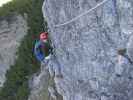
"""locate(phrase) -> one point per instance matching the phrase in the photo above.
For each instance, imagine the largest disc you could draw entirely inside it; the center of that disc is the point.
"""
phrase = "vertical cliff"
(88, 38)
(12, 30)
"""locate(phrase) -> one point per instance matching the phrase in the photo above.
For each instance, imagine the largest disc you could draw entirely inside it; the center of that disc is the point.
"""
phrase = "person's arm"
(50, 48)
(37, 51)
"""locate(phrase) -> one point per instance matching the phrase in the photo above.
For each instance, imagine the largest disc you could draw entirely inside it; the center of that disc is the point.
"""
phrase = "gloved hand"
(46, 60)
(48, 57)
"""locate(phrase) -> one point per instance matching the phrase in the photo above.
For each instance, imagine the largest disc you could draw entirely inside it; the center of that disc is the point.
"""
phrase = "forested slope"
(16, 85)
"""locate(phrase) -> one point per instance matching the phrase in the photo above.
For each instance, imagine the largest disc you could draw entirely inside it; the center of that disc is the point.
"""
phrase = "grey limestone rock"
(130, 48)
(12, 30)
(86, 47)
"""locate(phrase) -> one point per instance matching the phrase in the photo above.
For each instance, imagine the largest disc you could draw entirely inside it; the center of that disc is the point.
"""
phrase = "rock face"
(39, 86)
(12, 30)
(130, 48)
(86, 48)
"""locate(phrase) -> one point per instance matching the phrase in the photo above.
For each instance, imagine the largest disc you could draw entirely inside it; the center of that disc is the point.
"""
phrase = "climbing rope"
(70, 21)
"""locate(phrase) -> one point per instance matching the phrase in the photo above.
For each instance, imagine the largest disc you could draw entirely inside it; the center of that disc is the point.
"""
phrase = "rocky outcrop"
(12, 29)
(86, 36)
(39, 85)
(86, 47)
(42, 86)
(130, 48)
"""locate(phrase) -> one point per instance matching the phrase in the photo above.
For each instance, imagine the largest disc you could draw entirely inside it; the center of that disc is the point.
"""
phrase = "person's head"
(122, 51)
(44, 36)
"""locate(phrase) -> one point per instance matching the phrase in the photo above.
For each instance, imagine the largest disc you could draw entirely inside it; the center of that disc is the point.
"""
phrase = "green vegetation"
(16, 85)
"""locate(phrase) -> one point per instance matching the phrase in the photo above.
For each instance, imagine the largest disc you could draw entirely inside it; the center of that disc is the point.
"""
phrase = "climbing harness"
(70, 21)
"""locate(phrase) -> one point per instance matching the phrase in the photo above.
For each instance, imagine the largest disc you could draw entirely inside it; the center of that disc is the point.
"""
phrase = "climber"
(44, 52)
(42, 49)
(123, 53)
(123, 60)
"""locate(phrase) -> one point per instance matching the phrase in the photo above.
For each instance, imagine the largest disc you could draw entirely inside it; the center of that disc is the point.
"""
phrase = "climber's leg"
(51, 71)
(52, 92)
(50, 68)
(58, 73)
(54, 68)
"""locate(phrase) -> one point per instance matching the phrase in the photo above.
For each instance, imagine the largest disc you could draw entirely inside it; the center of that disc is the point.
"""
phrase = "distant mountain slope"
(17, 77)
(12, 31)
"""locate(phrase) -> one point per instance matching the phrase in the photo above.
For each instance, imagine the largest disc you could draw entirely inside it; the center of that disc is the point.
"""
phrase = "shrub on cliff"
(16, 85)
